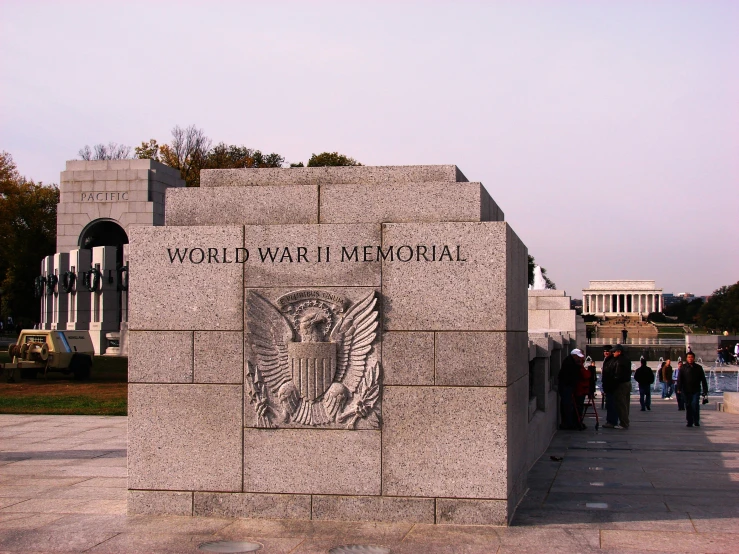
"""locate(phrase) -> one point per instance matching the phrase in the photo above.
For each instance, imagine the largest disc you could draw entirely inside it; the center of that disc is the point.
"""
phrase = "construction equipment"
(68, 352)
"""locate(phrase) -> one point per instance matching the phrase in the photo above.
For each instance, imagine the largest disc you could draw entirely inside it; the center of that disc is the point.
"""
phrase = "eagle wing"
(355, 332)
(268, 333)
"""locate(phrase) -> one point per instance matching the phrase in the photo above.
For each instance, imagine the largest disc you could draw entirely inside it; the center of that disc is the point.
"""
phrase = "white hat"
(577, 352)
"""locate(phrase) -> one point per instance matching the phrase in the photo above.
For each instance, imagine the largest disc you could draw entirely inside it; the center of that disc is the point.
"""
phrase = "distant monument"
(618, 298)
(83, 286)
(340, 343)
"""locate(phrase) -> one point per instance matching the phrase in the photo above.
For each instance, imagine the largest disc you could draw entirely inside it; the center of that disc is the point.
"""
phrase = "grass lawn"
(670, 331)
(106, 393)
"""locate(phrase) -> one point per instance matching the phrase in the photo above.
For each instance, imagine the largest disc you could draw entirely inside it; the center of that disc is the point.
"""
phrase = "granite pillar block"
(160, 357)
(373, 508)
(254, 506)
(361, 175)
(412, 202)
(476, 359)
(219, 357)
(242, 205)
(312, 461)
(286, 265)
(185, 437)
(160, 503)
(472, 287)
(408, 358)
(453, 511)
(185, 289)
(517, 420)
(444, 442)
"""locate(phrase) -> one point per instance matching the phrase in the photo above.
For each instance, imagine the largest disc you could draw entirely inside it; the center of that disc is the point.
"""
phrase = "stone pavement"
(658, 487)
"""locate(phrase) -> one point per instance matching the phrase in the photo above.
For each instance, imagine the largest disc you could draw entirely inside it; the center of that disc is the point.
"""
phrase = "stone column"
(47, 303)
(78, 303)
(60, 297)
(105, 300)
(659, 302)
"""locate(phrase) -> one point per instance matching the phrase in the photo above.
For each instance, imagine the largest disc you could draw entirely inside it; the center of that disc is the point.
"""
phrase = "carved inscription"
(104, 197)
(321, 254)
(310, 363)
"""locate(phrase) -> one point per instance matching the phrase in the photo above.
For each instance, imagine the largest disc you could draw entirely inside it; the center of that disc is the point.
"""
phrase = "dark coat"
(690, 379)
(608, 376)
(569, 373)
(644, 375)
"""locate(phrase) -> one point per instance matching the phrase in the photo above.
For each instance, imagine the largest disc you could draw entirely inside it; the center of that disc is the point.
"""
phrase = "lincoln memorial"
(606, 298)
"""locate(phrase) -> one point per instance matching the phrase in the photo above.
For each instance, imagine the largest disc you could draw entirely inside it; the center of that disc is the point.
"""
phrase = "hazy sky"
(608, 132)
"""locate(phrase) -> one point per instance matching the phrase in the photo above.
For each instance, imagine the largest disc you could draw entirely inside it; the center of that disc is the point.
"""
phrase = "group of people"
(725, 356)
(577, 381)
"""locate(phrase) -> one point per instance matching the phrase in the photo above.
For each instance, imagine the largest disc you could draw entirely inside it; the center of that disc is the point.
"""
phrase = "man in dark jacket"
(622, 391)
(608, 382)
(569, 374)
(689, 382)
(645, 378)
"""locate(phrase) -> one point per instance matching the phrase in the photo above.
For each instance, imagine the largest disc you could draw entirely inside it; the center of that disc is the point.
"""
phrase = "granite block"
(160, 357)
(517, 274)
(185, 437)
(219, 357)
(160, 503)
(312, 461)
(517, 427)
(345, 265)
(476, 359)
(242, 205)
(373, 508)
(444, 442)
(539, 319)
(471, 288)
(400, 202)
(552, 302)
(564, 320)
(168, 294)
(453, 511)
(366, 175)
(254, 506)
(408, 358)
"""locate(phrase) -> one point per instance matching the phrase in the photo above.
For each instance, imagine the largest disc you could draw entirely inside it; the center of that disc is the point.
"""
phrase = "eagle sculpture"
(309, 372)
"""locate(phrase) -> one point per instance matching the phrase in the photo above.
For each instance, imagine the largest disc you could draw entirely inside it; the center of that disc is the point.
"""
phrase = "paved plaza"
(658, 487)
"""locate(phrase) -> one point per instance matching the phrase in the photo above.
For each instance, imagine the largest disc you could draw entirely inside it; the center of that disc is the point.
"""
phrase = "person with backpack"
(645, 378)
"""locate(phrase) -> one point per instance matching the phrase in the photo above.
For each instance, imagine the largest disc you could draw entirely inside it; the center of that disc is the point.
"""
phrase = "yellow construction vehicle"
(68, 352)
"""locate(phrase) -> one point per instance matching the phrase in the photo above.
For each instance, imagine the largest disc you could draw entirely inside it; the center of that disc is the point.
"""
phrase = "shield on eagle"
(312, 366)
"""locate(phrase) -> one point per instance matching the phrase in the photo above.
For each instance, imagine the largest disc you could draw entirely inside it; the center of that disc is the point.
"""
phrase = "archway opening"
(103, 232)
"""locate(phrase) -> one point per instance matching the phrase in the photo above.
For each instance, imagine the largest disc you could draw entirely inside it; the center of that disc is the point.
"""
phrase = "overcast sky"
(608, 132)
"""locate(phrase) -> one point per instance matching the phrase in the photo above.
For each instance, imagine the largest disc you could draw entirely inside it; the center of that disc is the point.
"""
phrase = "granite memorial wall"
(342, 343)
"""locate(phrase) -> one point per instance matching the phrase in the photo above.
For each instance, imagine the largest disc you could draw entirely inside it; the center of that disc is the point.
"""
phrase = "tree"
(223, 156)
(27, 235)
(110, 151)
(532, 264)
(190, 152)
(330, 159)
(187, 152)
(684, 311)
(721, 311)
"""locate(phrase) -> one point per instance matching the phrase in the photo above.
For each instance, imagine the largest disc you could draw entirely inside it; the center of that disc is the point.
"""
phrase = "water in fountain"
(539, 282)
(657, 384)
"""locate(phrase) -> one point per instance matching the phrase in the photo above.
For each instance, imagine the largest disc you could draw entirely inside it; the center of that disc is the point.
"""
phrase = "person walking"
(645, 378)
(678, 396)
(608, 383)
(622, 367)
(691, 378)
(665, 377)
(569, 374)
